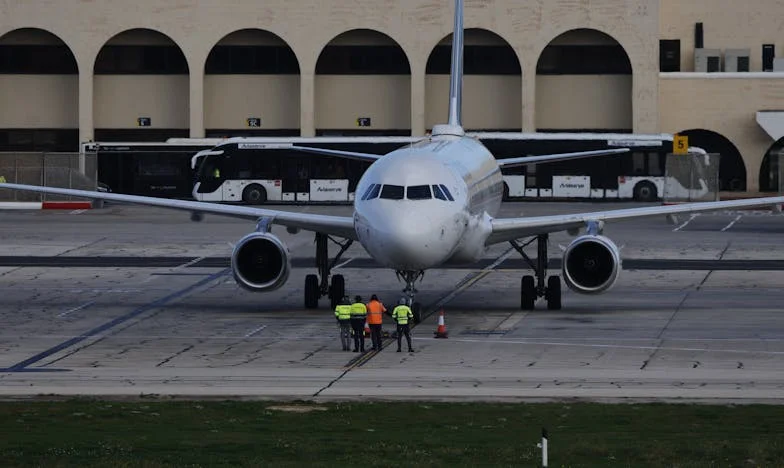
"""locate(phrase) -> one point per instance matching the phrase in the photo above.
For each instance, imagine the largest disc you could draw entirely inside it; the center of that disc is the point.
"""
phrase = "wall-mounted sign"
(363, 122)
(253, 122)
(143, 121)
(680, 144)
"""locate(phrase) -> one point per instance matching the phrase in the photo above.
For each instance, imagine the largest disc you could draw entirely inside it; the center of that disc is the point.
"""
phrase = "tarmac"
(130, 302)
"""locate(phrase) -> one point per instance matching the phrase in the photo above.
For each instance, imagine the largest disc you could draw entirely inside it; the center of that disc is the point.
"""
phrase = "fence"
(60, 170)
(691, 177)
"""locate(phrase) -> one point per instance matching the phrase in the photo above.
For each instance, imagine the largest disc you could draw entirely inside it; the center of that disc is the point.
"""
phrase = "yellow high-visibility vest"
(402, 314)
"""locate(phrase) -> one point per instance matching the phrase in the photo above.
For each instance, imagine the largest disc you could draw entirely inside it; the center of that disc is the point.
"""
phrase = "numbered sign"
(253, 122)
(680, 144)
(143, 121)
(363, 122)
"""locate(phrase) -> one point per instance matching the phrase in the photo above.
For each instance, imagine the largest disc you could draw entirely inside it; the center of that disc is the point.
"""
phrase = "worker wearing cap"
(343, 315)
(375, 310)
(402, 315)
(358, 317)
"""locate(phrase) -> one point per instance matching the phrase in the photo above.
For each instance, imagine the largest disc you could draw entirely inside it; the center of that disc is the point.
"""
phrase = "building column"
(196, 101)
(307, 113)
(528, 95)
(86, 124)
(418, 101)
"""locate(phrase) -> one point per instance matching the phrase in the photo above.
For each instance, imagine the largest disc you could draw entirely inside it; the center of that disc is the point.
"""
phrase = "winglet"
(454, 125)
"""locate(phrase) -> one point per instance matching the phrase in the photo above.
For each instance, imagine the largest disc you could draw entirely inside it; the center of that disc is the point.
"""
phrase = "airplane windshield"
(418, 192)
(392, 192)
(446, 192)
(438, 193)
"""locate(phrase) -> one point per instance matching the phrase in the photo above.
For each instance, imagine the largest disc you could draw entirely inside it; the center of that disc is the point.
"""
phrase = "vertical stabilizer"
(455, 124)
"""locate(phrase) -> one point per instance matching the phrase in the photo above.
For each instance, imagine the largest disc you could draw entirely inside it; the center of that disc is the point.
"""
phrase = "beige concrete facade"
(646, 101)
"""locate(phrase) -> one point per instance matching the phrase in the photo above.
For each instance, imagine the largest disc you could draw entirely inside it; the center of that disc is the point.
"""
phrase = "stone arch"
(770, 167)
(252, 59)
(141, 88)
(732, 169)
(42, 74)
(363, 85)
(492, 82)
(584, 80)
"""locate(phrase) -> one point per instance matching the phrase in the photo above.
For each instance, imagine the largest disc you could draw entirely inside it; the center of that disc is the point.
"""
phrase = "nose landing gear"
(410, 277)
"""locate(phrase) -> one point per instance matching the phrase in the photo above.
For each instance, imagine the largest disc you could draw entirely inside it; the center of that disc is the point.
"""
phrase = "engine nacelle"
(591, 264)
(260, 262)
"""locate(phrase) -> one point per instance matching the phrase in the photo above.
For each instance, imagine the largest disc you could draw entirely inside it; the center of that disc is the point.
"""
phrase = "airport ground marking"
(737, 218)
(691, 218)
(76, 309)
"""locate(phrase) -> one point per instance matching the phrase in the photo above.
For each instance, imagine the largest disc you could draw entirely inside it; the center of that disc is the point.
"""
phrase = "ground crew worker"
(402, 315)
(375, 309)
(358, 317)
(343, 314)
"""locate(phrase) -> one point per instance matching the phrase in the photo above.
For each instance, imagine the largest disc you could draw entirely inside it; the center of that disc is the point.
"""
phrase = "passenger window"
(438, 193)
(367, 192)
(446, 192)
(392, 192)
(418, 192)
(374, 193)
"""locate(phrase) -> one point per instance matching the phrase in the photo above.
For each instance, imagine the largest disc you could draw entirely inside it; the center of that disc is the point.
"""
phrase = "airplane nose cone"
(408, 241)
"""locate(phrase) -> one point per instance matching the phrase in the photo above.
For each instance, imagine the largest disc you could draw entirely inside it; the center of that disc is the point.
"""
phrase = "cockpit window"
(367, 192)
(446, 192)
(418, 192)
(392, 192)
(437, 193)
(374, 193)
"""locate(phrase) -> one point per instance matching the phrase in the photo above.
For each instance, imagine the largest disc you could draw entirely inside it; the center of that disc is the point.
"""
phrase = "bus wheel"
(254, 194)
(645, 192)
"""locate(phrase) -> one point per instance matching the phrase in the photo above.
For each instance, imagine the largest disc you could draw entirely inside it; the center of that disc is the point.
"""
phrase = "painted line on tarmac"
(77, 308)
(255, 331)
(691, 218)
(737, 218)
(20, 366)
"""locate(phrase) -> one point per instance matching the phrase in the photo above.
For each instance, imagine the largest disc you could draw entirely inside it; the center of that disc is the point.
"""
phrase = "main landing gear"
(530, 290)
(410, 278)
(317, 286)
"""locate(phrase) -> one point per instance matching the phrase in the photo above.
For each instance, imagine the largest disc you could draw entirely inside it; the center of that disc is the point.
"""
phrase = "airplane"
(428, 205)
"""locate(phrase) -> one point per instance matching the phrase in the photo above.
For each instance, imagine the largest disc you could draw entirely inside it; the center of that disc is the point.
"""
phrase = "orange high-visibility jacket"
(375, 309)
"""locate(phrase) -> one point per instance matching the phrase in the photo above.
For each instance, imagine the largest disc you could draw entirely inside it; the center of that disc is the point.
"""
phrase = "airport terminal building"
(113, 70)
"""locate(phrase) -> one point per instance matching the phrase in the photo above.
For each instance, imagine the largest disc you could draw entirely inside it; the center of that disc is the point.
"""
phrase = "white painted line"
(731, 223)
(78, 211)
(192, 262)
(77, 308)
(255, 331)
(687, 222)
(342, 264)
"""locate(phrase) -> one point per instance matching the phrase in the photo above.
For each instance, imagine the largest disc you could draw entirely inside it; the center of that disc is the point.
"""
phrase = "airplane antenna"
(454, 125)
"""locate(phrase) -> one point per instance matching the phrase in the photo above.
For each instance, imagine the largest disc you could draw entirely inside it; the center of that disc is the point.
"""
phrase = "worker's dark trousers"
(375, 335)
(358, 325)
(345, 333)
(401, 329)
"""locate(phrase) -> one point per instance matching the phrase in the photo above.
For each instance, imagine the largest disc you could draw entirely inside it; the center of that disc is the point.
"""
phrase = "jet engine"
(260, 262)
(591, 264)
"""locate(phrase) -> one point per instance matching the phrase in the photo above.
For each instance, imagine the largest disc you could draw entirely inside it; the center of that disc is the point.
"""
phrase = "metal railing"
(60, 170)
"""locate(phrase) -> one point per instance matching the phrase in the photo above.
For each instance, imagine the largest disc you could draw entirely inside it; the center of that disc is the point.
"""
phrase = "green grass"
(152, 434)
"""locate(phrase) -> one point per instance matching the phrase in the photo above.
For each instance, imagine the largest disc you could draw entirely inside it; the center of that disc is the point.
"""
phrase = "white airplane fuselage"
(412, 235)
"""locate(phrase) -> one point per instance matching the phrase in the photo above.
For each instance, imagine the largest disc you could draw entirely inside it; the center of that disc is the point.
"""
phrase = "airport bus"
(256, 170)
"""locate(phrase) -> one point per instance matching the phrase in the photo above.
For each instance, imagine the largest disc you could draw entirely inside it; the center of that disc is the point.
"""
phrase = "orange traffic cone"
(441, 330)
(367, 329)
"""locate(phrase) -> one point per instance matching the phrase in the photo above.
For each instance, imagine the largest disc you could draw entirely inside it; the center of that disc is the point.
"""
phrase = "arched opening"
(584, 84)
(141, 88)
(732, 169)
(492, 83)
(39, 92)
(251, 86)
(363, 86)
(770, 169)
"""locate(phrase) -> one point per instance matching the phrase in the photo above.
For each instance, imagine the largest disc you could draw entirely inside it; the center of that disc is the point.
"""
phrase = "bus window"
(654, 165)
(638, 163)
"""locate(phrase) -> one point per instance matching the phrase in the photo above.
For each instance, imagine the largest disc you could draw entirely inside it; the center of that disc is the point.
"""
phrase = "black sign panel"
(253, 122)
(144, 121)
(363, 122)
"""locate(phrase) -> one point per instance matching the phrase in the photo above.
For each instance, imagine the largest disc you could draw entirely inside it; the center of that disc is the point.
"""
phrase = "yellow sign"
(680, 144)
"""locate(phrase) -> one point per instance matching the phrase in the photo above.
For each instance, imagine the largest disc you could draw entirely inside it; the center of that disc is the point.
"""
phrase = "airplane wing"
(511, 162)
(345, 154)
(341, 226)
(506, 229)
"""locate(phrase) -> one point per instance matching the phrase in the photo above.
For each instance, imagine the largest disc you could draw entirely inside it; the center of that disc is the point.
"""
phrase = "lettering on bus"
(329, 189)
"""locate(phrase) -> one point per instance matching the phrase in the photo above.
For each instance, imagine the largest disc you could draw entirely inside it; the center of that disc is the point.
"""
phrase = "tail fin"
(454, 127)
(456, 73)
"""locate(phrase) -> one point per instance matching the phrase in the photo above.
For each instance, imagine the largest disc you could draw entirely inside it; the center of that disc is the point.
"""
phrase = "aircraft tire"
(337, 290)
(311, 292)
(416, 309)
(553, 294)
(527, 293)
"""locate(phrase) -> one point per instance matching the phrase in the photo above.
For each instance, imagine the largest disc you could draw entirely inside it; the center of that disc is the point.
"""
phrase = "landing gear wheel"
(311, 292)
(254, 194)
(416, 309)
(337, 290)
(553, 294)
(527, 293)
